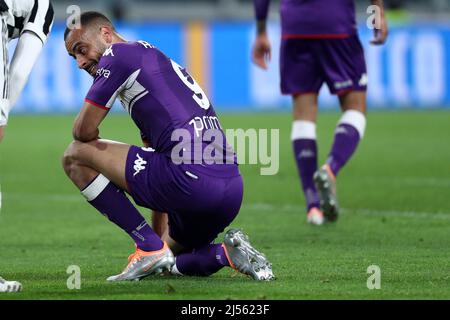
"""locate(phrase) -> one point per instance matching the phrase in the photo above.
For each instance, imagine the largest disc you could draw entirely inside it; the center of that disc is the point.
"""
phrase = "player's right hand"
(381, 34)
(262, 51)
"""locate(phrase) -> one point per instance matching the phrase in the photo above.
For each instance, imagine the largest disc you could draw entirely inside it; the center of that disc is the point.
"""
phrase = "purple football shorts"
(200, 203)
(305, 64)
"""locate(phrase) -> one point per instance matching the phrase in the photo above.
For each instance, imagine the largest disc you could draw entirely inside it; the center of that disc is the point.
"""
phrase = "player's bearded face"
(87, 49)
(96, 48)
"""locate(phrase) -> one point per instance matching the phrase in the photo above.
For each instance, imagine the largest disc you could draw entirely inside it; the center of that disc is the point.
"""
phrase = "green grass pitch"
(394, 193)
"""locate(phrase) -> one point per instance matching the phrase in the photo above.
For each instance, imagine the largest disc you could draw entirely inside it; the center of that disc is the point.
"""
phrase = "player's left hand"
(380, 35)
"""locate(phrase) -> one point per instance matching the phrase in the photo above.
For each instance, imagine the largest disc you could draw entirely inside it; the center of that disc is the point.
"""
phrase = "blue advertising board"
(411, 71)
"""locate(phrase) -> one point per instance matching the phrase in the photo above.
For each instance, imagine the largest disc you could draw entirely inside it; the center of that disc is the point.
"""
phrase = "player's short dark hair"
(89, 17)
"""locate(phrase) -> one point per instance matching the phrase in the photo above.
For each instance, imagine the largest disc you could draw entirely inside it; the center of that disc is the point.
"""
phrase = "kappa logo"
(139, 164)
(307, 153)
(143, 224)
(108, 52)
(340, 130)
(364, 80)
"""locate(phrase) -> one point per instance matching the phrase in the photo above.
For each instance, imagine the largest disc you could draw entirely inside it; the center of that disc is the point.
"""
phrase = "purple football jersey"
(159, 95)
(313, 18)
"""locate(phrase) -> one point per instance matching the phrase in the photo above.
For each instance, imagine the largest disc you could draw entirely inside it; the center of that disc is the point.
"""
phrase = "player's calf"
(105, 196)
(201, 262)
(349, 132)
(235, 252)
(304, 144)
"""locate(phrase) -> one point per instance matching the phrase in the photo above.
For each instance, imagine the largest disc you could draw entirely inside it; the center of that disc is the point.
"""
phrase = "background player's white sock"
(356, 119)
(349, 131)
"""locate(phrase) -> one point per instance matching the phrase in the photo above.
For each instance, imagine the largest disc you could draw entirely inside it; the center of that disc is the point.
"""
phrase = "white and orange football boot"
(142, 264)
(315, 217)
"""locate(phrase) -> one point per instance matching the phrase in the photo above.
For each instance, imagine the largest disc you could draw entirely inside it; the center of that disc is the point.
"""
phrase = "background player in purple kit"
(200, 199)
(320, 44)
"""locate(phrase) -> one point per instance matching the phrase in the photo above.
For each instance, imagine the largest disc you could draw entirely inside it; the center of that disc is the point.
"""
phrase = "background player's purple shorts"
(199, 206)
(305, 64)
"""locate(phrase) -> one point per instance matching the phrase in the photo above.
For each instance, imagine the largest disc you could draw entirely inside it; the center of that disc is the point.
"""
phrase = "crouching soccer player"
(320, 44)
(30, 21)
(201, 200)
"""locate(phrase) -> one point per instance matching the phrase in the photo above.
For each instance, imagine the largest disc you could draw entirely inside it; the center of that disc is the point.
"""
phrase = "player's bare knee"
(67, 162)
(74, 150)
(70, 156)
(360, 108)
(353, 100)
(305, 107)
(80, 175)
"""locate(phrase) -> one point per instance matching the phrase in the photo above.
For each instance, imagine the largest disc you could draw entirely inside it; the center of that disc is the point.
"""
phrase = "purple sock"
(305, 151)
(346, 139)
(114, 204)
(201, 262)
